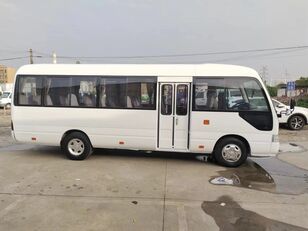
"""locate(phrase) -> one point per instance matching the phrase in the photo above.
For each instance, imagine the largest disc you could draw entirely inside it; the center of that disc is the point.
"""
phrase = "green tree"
(272, 91)
(302, 82)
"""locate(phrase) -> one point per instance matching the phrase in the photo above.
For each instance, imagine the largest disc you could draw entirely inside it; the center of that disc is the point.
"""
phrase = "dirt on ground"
(287, 135)
(5, 128)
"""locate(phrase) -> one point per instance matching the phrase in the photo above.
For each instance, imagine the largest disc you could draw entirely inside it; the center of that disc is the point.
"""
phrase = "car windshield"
(276, 103)
(5, 95)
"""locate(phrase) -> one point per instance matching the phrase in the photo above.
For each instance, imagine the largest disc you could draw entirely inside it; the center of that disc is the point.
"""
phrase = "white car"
(6, 99)
(296, 119)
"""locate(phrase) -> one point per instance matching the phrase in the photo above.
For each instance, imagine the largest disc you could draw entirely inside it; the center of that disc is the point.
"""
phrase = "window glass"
(275, 103)
(57, 91)
(209, 94)
(5, 95)
(228, 94)
(128, 92)
(29, 90)
(141, 92)
(83, 92)
(113, 92)
(181, 99)
(166, 99)
(255, 94)
(234, 95)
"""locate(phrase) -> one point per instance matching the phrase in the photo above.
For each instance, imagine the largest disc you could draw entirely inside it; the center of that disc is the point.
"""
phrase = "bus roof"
(177, 70)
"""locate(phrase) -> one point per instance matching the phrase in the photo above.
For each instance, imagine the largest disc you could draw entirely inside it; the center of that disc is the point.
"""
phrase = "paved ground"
(122, 190)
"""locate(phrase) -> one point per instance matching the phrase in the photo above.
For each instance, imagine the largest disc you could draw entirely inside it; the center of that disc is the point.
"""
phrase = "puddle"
(266, 174)
(230, 216)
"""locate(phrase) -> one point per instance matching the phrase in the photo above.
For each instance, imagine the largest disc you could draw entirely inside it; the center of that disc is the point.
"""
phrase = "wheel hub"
(231, 152)
(297, 122)
(76, 147)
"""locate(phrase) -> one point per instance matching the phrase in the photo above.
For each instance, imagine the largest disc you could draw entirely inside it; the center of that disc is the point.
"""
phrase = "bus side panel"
(208, 127)
(106, 128)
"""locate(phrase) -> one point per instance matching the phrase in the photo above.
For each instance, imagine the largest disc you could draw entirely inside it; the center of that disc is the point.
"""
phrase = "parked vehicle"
(5, 99)
(295, 118)
(180, 108)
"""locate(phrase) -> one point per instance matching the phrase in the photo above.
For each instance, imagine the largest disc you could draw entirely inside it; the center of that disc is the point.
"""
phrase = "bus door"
(174, 114)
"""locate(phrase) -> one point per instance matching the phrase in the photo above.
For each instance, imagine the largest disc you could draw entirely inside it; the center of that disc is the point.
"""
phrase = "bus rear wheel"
(76, 146)
(230, 152)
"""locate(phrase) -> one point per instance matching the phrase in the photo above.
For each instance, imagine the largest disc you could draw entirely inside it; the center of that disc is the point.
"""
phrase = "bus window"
(141, 92)
(255, 96)
(181, 99)
(57, 91)
(166, 99)
(245, 94)
(228, 94)
(208, 94)
(83, 92)
(115, 89)
(128, 92)
(29, 91)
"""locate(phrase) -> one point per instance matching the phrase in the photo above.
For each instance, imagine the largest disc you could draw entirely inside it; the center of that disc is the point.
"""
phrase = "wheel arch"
(71, 131)
(235, 136)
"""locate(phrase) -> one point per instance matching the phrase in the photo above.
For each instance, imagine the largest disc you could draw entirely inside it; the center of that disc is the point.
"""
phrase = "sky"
(130, 28)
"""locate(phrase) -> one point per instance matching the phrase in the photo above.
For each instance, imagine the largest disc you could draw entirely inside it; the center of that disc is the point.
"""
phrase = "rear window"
(29, 91)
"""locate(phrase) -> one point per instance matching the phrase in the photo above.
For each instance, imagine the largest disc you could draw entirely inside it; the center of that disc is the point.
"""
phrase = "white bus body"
(182, 108)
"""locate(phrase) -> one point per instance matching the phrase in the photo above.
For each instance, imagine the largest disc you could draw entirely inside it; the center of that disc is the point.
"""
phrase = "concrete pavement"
(121, 190)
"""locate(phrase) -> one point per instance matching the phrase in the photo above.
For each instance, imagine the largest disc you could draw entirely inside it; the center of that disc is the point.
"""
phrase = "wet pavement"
(230, 216)
(275, 176)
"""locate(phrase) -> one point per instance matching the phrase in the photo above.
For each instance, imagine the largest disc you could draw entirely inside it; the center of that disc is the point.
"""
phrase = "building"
(7, 74)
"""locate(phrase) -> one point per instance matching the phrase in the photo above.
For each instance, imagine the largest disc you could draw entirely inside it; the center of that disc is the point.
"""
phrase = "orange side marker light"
(121, 142)
(206, 122)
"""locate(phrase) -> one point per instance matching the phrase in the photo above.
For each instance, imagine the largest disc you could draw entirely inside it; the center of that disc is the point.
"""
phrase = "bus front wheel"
(76, 146)
(230, 152)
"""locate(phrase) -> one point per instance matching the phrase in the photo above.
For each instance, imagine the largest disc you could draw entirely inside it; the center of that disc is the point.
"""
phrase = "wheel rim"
(231, 152)
(76, 147)
(297, 122)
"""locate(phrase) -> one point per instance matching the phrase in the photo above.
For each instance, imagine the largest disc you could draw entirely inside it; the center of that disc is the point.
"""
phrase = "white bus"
(181, 108)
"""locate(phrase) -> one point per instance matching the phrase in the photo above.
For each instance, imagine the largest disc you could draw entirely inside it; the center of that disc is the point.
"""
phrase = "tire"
(296, 122)
(76, 146)
(230, 152)
(7, 106)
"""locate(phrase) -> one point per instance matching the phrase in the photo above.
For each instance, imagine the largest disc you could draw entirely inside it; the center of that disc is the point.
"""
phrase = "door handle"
(176, 121)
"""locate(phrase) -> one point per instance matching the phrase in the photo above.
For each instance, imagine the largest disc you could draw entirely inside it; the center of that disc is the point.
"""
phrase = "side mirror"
(292, 104)
(280, 106)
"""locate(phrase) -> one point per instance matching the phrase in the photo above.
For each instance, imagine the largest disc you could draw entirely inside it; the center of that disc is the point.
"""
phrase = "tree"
(302, 82)
(272, 91)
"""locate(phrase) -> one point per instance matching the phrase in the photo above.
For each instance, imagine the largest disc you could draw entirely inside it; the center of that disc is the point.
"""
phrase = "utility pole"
(31, 56)
(54, 58)
(264, 73)
(287, 76)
